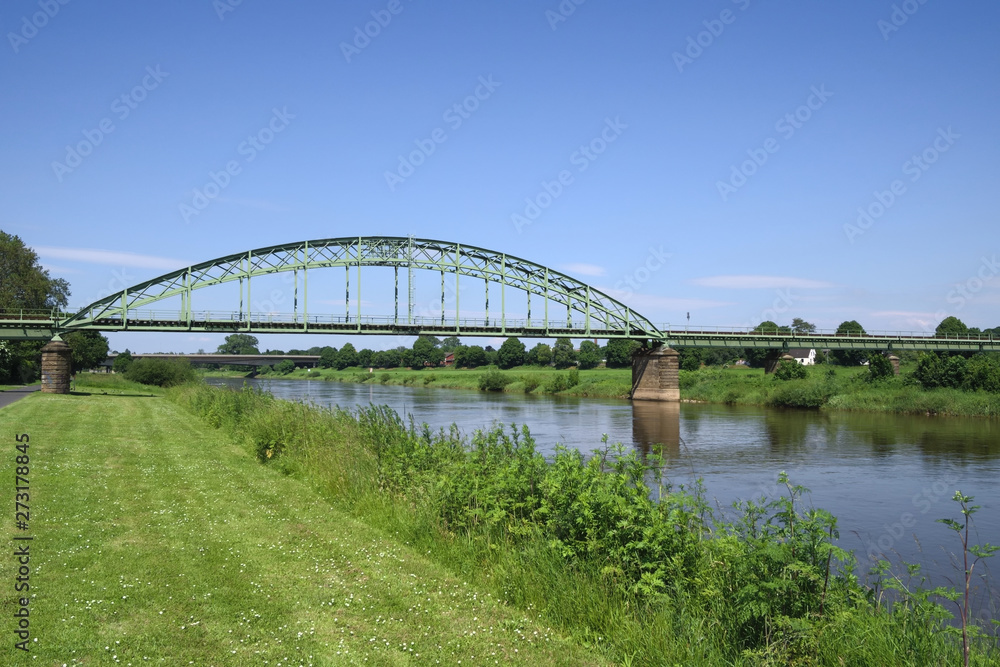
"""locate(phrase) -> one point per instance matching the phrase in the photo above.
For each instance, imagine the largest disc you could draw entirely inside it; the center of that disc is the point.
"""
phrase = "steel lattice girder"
(601, 312)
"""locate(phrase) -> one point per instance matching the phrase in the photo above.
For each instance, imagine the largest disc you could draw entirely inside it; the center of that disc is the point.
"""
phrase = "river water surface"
(887, 478)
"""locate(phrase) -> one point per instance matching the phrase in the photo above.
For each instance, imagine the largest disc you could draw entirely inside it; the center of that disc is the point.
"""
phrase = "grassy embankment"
(825, 387)
(157, 540)
(835, 388)
(580, 543)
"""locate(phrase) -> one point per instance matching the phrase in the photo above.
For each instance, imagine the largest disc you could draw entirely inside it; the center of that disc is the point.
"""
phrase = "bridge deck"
(44, 325)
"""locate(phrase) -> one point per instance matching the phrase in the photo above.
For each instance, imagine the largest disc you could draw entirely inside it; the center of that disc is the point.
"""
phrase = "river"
(887, 478)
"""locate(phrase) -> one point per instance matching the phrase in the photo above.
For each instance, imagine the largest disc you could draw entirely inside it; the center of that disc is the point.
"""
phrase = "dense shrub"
(284, 367)
(982, 373)
(790, 370)
(530, 382)
(879, 367)
(494, 380)
(979, 373)
(160, 372)
(122, 362)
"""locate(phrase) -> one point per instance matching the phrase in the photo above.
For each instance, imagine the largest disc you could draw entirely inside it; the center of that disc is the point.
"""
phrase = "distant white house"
(804, 356)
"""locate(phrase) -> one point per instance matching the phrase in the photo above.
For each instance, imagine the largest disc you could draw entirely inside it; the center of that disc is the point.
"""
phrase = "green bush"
(284, 367)
(122, 362)
(530, 383)
(790, 370)
(160, 372)
(879, 367)
(493, 380)
(556, 384)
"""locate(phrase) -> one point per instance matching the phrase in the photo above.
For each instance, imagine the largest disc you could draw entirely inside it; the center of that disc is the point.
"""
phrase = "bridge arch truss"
(569, 307)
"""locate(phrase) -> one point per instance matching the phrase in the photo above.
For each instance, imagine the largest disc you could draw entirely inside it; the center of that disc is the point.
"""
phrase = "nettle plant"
(977, 553)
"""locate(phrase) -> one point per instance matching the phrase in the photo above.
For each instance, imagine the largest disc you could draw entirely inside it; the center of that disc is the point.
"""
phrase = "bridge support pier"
(57, 367)
(655, 375)
(774, 359)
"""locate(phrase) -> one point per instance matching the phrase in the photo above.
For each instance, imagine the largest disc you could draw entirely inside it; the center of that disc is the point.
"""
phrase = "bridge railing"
(32, 315)
(691, 330)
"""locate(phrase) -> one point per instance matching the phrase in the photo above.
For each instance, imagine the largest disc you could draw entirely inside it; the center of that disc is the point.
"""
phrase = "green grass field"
(159, 541)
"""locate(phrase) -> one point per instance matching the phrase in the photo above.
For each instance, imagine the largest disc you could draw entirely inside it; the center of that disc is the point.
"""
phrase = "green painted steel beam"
(415, 254)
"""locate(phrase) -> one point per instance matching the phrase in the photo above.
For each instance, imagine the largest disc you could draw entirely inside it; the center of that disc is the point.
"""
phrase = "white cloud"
(760, 282)
(584, 269)
(111, 258)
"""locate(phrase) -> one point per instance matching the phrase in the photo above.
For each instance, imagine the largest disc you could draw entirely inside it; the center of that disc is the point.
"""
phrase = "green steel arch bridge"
(564, 306)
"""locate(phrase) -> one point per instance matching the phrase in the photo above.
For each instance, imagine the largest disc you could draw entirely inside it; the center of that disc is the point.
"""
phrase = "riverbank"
(825, 387)
(581, 543)
(158, 540)
(596, 383)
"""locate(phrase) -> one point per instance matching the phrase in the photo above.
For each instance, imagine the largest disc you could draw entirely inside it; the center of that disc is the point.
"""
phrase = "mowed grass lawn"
(157, 541)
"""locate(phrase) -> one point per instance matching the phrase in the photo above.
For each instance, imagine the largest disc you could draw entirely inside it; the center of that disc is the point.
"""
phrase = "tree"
(90, 349)
(849, 357)
(619, 352)
(450, 343)
(951, 326)
(540, 355)
(386, 359)
(23, 281)
(328, 357)
(690, 358)
(800, 326)
(511, 353)
(347, 356)
(240, 344)
(757, 356)
(122, 362)
(563, 354)
(426, 352)
(590, 355)
(365, 356)
(472, 356)
(24, 284)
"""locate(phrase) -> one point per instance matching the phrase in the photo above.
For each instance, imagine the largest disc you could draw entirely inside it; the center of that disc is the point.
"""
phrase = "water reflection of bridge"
(657, 423)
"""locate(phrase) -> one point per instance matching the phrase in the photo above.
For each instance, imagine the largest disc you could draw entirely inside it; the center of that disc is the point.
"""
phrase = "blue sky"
(828, 161)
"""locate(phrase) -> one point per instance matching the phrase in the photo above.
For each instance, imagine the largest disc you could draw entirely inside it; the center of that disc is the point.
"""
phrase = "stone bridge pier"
(655, 375)
(57, 367)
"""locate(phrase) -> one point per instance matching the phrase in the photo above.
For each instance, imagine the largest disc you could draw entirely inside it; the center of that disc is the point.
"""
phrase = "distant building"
(449, 359)
(804, 356)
